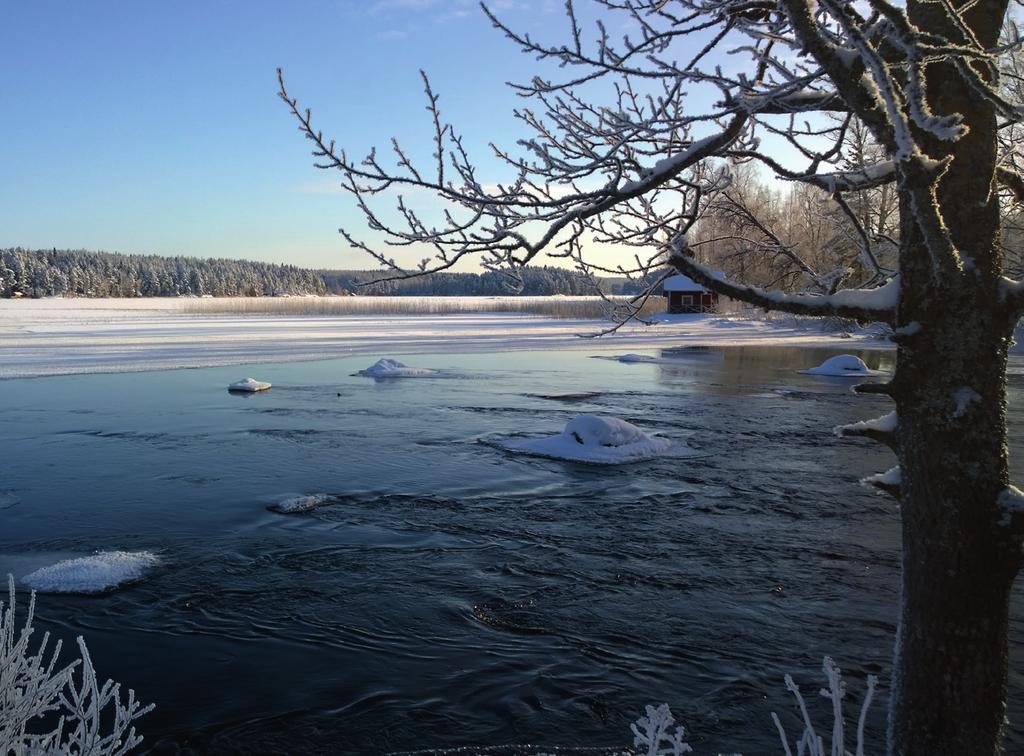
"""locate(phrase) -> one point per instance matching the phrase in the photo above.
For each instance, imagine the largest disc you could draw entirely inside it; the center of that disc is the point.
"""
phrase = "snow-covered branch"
(889, 482)
(866, 305)
(630, 164)
(1013, 181)
(882, 429)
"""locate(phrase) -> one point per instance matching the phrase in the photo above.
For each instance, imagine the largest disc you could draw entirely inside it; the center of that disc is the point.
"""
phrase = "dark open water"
(455, 595)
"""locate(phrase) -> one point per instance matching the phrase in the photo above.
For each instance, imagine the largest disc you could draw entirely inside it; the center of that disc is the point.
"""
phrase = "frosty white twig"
(92, 720)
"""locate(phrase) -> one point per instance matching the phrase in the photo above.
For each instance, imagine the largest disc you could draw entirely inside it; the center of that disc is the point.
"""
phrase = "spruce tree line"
(80, 273)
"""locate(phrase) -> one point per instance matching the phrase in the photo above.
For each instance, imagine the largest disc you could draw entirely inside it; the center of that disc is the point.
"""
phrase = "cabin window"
(686, 299)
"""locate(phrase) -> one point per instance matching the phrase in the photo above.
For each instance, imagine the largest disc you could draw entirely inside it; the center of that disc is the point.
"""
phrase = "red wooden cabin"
(683, 294)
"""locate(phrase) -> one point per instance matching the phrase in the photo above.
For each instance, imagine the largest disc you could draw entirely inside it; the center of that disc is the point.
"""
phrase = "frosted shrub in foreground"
(653, 732)
(810, 743)
(34, 693)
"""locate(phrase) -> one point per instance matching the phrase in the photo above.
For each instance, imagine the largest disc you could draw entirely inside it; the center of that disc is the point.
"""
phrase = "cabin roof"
(680, 282)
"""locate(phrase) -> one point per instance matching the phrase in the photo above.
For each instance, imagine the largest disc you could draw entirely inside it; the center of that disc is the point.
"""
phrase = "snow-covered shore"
(67, 336)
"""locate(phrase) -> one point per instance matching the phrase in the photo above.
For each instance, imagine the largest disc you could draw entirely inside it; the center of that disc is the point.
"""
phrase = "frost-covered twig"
(654, 736)
(91, 720)
(810, 742)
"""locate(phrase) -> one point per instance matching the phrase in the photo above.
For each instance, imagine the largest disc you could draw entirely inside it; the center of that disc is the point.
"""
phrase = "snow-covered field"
(65, 336)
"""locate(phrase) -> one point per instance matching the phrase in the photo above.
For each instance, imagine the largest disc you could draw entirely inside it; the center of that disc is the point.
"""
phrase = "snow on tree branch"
(881, 429)
(889, 482)
(615, 155)
(878, 304)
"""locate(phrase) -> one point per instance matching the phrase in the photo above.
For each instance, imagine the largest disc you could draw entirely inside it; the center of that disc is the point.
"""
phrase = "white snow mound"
(844, 365)
(298, 504)
(249, 384)
(103, 571)
(597, 440)
(389, 368)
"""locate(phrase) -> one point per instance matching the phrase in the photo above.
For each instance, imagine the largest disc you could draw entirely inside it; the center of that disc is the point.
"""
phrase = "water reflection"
(739, 370)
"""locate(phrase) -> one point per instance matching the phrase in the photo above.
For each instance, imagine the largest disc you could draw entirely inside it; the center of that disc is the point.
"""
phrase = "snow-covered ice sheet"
(386, 367)
(843, 366)
(600, 441)
(68, 336)
(99, 572)
(300, 504)
(249, 385)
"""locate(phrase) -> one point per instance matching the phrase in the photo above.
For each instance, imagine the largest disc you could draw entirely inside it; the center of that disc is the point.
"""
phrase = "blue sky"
(154, 127)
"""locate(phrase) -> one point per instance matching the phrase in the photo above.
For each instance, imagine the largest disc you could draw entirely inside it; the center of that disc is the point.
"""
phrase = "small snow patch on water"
(102, 571)
(388, 368)
(300, 504)
(843, 365)
(249, 385)
(598, 440)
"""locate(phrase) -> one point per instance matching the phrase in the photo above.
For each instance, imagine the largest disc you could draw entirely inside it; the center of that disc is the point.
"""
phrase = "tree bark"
(960, 554)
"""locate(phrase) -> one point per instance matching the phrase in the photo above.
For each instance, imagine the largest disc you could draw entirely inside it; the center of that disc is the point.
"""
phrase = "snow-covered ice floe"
(300, 504)
(599, 441)
(389, 368)
(102, 571)
(249, 385)
(843, 365)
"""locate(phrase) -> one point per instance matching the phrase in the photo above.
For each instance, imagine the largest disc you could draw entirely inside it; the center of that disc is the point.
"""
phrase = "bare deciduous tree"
(617, 157)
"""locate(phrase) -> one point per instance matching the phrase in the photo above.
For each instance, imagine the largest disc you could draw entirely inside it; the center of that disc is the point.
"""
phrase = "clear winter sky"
(154, 127)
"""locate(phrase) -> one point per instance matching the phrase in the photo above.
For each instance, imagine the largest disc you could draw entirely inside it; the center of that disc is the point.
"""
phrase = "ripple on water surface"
(449, 594)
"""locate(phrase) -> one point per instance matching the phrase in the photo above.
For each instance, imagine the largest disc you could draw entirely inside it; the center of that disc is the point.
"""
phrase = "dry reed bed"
(558, 307)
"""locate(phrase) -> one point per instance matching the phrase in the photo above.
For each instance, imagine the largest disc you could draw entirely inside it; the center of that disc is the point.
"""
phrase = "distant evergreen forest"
(45, 273)
(80, 273)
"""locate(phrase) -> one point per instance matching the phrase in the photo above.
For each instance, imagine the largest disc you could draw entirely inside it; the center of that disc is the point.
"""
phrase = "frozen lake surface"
(41, 337)
(443, 592)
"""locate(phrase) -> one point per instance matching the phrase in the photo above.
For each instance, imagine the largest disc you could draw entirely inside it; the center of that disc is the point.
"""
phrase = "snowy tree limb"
(870, 305)
(1013, 181)
(883, 388)
(889, 482)
(882, 429)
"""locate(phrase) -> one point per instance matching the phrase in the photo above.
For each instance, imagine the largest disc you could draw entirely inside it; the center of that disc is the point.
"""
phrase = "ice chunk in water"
(249, 385)
(598, 440)
(102, 571)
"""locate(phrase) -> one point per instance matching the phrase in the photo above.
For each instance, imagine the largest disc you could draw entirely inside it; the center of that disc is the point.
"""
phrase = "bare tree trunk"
(960, 557)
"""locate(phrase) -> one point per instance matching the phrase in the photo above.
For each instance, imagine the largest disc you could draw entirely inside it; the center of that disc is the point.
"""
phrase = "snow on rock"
(843, 365)
(299, 504)
(597, 440)
(389, 368)
(102, 571)
(249, 385)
